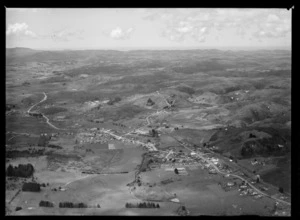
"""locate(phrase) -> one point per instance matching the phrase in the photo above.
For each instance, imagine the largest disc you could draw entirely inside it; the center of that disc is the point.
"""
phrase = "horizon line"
(163, 48)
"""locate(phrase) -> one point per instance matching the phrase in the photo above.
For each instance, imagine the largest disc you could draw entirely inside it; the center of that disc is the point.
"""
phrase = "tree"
(176, 170)
(10, 170)
(281, 189)
(18, 208)
(157, 205)
(150, 102)
(31, 187)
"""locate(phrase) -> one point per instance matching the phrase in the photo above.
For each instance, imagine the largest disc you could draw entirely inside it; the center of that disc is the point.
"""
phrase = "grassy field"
(220, 97)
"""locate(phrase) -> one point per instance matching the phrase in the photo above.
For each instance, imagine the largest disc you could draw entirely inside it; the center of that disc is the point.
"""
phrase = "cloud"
(273, 27)
(66, 35)
(197, 24)
(20, 29)
(119, 33)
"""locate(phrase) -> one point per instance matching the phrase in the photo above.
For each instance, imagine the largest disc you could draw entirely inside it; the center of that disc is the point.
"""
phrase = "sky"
(140, 28)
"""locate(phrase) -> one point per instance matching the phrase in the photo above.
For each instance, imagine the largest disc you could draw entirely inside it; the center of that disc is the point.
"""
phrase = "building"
(230, 184)
(111, 146)
(215, 160)
(193, 153)
(175, 200)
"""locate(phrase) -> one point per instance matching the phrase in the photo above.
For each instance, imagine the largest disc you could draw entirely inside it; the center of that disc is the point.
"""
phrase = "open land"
(207, 130)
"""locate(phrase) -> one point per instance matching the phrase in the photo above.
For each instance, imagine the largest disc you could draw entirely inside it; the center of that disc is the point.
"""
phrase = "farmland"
(220, 118)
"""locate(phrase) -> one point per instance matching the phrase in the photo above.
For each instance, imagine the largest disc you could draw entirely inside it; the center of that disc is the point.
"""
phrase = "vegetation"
(142, 205)
(114, 100)
(280, 189)
(153, 133)
(10, 107)
(182, 211)
(22, 170)
(186, 89)
(24, 153)
(46, 204)
(72, 205)
(264, 147)
(150, 102)
(18, 208)
(31, 187)
(55, 146)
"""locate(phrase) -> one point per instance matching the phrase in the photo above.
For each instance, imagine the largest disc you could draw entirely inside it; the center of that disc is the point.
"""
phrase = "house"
(215, 160)
(111, 146)
(254, 162)
(100, 120)
(175, 200)
(193, 153)
(230, 184)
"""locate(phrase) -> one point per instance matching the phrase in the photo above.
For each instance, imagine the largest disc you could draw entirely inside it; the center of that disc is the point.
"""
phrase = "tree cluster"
(153, 133)
(252, 135)
(54, 146)
(182, 211)
(31, 187)
(24, 153)
(72, 205)
(18, 208)
(22, 170)
(114, 100)
(9, 107)
(264, 147)
(280, 189)
(150, 102)
(142, 205)
(46, 204)
(119, 124)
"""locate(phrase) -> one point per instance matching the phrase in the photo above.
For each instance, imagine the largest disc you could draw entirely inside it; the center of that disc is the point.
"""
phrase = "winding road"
(47, 119)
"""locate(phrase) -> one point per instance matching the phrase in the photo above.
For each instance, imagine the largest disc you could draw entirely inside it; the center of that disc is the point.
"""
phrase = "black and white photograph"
(148, 111)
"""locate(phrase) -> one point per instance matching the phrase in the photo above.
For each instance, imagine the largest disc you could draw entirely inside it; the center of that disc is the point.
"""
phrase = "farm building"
(111, 146)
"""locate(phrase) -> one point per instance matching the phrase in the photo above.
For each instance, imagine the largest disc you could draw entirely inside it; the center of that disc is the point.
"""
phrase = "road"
(78, 179)
(122, 138)
(170, 152)
(44, 116)
(14, 137)
(44, 99)
(234, 175)
(168, 104)
(237, 176)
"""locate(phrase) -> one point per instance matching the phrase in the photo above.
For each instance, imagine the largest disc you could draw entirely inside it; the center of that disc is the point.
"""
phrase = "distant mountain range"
(23, 54)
